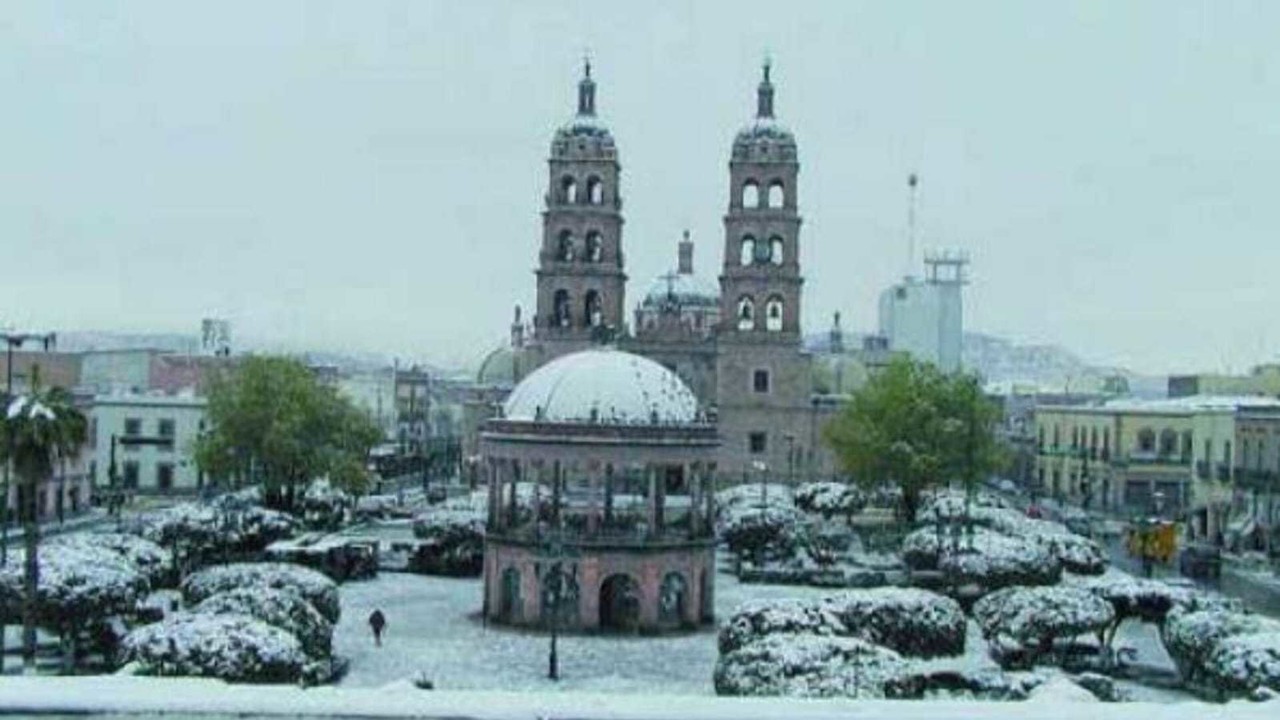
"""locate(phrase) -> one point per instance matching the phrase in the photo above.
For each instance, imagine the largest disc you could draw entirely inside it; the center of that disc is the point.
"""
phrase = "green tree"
(41, 428)
(273, 422)
(914, 427)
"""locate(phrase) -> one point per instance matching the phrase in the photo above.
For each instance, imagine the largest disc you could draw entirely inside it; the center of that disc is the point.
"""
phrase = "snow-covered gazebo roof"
(604, 386)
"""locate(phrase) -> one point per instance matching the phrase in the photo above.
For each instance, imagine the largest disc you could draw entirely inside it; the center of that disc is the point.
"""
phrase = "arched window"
(1168, 442)
(775, 250)
(747, 253)
(773, 314)
(595, 191)
(592, 316)
(595, 248)
(746, 313)
(568, 189)
(560, 311)
(564, 247)
(673, 599)
(750, 194)
(777, 195)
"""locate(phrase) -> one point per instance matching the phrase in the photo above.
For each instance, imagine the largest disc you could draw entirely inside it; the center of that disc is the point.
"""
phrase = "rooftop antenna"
(912, 181)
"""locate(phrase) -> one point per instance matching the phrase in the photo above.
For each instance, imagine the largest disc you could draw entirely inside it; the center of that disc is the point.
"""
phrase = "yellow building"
(1208, 459)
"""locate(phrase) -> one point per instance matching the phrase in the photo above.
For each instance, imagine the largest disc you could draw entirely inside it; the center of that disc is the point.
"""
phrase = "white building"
(926, 317)
(166, 425)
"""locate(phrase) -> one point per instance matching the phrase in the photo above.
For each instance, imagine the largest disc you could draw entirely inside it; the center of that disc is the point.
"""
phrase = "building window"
(750, 194)
(130, 477)
(133, 426)
(756, 443)
(775, 250)
(760, 381)
(166, 428)
(1147, 440)
(164, 476)
(746, 314)
(747, 250)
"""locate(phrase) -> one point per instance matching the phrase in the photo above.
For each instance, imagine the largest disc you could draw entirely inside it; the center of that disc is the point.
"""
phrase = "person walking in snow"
(377, 621)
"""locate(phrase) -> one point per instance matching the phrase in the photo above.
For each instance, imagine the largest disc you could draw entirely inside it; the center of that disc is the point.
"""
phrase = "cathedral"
(735, 341)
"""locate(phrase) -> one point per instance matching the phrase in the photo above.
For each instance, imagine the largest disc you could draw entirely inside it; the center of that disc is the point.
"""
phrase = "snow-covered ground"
(434, 631)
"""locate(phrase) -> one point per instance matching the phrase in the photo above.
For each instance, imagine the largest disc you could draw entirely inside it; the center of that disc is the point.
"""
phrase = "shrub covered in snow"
(987, 559)
(1076, 553)
(314, 586)
(201, 532)
(283, 608)
(1240, 664)
(153, 561)
(811, 666)
(453, 543)
(78, 583)
(1023, 623)
(238, 648)
(1194, 638)
(912, 622)
(734, 500)
(324, 507)
(764, 534)
(830, 499)
(1141, 599)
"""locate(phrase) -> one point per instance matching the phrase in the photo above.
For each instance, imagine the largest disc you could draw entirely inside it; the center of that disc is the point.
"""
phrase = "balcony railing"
(1256, 479)
(1224, 471)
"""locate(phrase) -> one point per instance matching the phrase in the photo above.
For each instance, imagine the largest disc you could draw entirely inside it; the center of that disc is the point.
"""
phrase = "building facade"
(925, 318)
(151, 439)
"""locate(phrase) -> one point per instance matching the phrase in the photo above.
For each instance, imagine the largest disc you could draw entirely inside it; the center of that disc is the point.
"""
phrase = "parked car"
(1202, 561)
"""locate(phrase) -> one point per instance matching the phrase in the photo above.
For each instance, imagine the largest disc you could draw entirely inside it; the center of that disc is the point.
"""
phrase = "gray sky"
(369, 175)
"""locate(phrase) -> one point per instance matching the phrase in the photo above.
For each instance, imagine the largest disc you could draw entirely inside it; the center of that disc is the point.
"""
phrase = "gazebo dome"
(498, 368)
(605, 386)
(683, 289)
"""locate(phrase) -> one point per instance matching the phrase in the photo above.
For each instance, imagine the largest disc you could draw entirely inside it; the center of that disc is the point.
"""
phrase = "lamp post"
(791, 461)
(13, 340)
(762, 467)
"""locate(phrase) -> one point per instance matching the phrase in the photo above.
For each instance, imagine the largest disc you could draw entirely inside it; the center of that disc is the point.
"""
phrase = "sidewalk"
(84, 521)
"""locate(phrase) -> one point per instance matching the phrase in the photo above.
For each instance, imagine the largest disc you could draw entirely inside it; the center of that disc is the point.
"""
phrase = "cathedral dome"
(764, 131)
(764, 139)
(498, 368)
(604, 386)
(683, 289)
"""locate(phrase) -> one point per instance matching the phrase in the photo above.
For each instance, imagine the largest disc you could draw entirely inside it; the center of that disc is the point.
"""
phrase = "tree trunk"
(31, 541)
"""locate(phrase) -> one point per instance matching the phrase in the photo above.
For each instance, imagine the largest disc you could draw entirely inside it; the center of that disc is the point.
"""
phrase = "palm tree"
(44, 426)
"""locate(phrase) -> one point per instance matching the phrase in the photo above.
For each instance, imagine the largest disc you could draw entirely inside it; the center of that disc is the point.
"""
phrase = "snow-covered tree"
(314, 586)
(153, 561)
(1194, 637)
(830, 499)
(983, 557)
(764, 534)
(237, 648)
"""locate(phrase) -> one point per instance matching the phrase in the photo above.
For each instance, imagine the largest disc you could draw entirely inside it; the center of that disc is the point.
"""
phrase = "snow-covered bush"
(734, 500)
(283, 608)
(811, 666)
(830, 499)
(1023, 623)
(453, 543)
(1240, 664)
(1193, 639)
(987, 559)
(324, 507)
(1076, 553)
(153, 561)
(1148, 601)
(911, 622)
(238, 648)
(314, 586)
(764, 534)
(198, 533)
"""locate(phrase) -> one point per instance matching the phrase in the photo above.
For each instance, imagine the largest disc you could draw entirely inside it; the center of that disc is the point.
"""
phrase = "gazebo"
(601, 487)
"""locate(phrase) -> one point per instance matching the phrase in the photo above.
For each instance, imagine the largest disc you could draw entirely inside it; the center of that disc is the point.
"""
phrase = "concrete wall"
(108, 416)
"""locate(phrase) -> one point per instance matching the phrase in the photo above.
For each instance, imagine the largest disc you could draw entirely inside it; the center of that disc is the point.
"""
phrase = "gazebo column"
(593, 510)
(538, 469)
(661, 514)
(608, 493)
(652, 477)
(709, 495)
(693, 480)
(512, 504)
(557, 477)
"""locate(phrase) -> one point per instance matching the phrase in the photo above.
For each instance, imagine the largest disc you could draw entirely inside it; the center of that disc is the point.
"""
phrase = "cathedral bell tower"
(760, 282)
(580, 265)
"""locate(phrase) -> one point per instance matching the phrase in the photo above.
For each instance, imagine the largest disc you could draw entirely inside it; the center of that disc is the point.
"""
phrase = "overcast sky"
(370, 175)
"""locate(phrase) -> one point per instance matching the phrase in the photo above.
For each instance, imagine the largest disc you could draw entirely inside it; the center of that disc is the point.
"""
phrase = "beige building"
(1261, 380)
(1213, 460)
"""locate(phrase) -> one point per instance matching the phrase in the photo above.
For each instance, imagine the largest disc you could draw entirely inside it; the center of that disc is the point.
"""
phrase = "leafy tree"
(273, 421)
(915, 427)
(41, 428)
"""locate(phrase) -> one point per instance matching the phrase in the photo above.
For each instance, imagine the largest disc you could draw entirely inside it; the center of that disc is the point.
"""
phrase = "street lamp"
(762, 467)
(13, 340)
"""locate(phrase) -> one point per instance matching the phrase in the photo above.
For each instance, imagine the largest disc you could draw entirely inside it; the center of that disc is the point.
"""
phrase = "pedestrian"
(377, 621)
